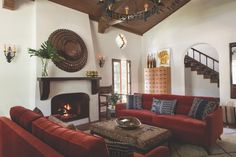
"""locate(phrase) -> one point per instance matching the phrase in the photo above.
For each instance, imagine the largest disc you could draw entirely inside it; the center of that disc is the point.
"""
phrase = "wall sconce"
(9, 52)
(101, 61)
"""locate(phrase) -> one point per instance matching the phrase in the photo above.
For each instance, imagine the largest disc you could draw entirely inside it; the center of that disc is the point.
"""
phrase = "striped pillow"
(201, 108)
(119, 149)
(130, 102)
(138, 102)
(134, 101)
(163, 106)
(168, 107)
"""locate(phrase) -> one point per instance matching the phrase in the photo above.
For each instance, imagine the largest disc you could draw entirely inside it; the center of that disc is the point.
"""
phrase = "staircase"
(203, 64)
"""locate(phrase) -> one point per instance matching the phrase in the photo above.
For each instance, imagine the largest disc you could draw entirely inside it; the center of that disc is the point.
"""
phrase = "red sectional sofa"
(31, 135)
(183, 127)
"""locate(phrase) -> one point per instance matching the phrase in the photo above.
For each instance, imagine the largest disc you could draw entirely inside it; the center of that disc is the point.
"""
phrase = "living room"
(32, 22)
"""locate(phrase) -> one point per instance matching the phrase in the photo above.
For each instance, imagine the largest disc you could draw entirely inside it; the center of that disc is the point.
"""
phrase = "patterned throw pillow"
(168, 107)
(38, 111)
(130, 102)
(163, 106)
(138, 102)
(119, 149)
(156, 105)
(134, 102)
(201, 108)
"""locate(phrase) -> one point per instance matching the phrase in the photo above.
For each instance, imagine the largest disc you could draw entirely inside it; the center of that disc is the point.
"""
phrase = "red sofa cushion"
(145, 116)
(24, 117)
(183, 105)
(181, 123)
(68, 142)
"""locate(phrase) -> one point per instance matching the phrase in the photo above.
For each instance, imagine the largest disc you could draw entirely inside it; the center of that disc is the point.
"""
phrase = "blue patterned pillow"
(137, 102)
(156, 105)
(134, 102)
(168, 107)
(130, 102)
(163, 106)
(201, 108)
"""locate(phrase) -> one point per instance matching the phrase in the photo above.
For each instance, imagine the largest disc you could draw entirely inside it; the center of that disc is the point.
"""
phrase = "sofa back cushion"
(183, 104)
(15, 141)
(24, 117)
(70, 143)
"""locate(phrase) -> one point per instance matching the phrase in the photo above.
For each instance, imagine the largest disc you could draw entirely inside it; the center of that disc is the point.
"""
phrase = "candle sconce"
(101, 61)
(9, 52)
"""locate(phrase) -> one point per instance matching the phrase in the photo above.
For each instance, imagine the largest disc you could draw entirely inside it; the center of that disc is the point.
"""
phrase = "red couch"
(31, 135)
(183, 127)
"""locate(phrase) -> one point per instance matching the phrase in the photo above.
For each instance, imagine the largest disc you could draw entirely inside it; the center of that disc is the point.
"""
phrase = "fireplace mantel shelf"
(44, 84)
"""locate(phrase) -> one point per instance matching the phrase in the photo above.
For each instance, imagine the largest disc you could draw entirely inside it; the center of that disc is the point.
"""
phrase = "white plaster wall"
(196, 85)
(17, 78)
(199, 21)
(105, 45)
(50, 17)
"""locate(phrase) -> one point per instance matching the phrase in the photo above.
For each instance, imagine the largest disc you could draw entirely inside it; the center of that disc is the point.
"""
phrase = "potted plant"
(113, 99)
(46, 53)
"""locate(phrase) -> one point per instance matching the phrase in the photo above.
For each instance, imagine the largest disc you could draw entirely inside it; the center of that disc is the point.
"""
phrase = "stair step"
(187, 65)
(206, 76)
(193, 68)
(214, 81)
(202, 69)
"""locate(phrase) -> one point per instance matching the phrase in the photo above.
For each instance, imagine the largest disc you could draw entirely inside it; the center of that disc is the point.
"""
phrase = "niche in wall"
(201, 71)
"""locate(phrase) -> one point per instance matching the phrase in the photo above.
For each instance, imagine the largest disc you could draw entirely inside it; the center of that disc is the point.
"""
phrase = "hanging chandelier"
(130, 10)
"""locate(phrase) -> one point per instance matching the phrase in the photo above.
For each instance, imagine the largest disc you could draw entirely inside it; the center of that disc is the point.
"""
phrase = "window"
(121, 77)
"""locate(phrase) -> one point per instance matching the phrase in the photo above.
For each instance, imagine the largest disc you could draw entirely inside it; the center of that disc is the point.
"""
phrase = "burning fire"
(67, 108)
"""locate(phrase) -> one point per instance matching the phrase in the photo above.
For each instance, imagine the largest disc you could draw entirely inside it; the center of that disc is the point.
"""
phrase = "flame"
(67, 107)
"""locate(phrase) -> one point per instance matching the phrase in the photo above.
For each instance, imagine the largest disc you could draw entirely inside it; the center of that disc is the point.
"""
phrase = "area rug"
(224, 148)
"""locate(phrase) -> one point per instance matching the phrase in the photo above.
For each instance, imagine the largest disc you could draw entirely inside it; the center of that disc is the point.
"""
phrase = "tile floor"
(224, 148)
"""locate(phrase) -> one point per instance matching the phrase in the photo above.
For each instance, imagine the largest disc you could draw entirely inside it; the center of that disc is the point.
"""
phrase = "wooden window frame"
(128, 83)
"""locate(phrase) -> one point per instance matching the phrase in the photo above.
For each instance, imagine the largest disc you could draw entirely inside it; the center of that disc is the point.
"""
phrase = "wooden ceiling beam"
(139, 27)
(9, 4)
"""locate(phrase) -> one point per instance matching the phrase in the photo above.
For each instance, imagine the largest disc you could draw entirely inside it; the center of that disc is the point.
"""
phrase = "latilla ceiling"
(95, 11)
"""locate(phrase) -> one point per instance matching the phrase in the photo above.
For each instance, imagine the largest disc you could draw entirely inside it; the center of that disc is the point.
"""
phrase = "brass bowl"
(128, 122)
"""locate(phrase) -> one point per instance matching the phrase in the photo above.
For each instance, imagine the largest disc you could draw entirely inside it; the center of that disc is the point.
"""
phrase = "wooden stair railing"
(196, 63)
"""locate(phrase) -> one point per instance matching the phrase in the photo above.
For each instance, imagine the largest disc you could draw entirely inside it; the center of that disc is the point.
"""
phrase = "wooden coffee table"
(144, 138)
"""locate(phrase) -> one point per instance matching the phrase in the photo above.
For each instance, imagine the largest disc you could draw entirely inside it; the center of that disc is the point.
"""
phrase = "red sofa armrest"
(160, 151)
(120, 106)
(214, 123)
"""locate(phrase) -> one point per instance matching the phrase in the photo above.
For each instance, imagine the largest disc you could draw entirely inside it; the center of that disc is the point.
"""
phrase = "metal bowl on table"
(128, 122)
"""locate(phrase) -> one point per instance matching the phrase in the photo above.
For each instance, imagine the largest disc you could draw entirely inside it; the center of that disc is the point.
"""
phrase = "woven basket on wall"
(70, 46)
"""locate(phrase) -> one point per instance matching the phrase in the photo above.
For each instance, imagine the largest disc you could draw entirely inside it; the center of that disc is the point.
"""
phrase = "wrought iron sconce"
(9, 52)
(101, 61)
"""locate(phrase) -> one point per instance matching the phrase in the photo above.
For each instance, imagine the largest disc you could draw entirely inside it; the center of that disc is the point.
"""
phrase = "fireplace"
(70, 106)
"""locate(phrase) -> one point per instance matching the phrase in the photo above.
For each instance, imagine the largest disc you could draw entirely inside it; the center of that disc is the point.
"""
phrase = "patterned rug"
(224, 148)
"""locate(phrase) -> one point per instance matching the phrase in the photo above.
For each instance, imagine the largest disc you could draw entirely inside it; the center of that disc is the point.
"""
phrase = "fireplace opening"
(70, 106)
